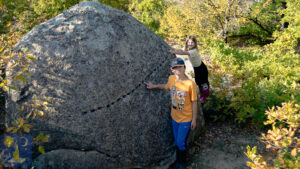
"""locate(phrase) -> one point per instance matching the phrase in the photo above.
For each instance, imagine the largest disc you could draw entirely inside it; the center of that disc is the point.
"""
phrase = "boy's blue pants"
(181, 131)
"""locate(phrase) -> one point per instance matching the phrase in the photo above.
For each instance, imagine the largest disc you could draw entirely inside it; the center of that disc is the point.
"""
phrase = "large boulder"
(91, 65)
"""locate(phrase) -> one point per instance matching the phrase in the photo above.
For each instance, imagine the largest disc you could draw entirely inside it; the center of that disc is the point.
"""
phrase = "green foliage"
(119, 4)
(255, 81)
(20, 126)
(257, 160)
(40, 139)
(51, 8)
(9, 9)
(148, 12)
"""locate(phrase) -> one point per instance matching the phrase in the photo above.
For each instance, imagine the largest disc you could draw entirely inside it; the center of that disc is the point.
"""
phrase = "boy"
(184, 107)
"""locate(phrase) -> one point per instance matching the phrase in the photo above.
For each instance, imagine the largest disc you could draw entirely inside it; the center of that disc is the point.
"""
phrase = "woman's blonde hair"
(193, 38)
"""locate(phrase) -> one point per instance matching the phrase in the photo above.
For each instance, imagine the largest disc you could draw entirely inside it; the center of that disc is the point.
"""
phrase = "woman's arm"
(179, 52)
(194, 121)
(155, 86)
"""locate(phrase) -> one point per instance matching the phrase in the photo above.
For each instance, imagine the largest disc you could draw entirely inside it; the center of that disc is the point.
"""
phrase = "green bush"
(257, 80)
(149, 12)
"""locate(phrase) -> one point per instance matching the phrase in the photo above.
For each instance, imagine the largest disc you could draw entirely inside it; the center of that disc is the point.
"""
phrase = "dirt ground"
(223, 146)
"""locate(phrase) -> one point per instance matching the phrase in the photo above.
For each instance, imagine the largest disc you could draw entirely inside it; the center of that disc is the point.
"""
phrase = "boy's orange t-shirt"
(182, 95)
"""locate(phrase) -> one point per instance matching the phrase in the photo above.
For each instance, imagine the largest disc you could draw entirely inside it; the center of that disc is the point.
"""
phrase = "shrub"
(252, 79)
(282, 139)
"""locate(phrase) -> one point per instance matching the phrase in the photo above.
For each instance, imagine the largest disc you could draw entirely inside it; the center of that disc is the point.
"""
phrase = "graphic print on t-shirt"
(181, 95)
(180, 105)
(178, 95)
(174, 104)
(173, 88)
(172, 93)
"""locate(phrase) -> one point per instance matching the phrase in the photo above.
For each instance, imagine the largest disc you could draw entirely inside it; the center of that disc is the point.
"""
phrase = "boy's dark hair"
(193, 38)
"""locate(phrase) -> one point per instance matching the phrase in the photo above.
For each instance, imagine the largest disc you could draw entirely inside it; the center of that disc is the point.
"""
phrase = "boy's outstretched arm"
(154, 86)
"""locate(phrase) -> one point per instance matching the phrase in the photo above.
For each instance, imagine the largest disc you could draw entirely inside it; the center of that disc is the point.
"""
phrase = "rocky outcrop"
(91, 64)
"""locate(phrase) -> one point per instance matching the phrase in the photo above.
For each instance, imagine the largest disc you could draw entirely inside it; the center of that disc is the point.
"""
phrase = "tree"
(259, 22)
(207, 18)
